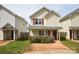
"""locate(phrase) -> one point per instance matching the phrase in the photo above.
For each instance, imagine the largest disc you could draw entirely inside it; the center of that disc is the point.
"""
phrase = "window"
(47, 32)
(41, 32)
(36, 21)
(42, 21)
(39, 21)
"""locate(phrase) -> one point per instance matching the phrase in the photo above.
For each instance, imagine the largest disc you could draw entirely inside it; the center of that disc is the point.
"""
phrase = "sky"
(25, 10)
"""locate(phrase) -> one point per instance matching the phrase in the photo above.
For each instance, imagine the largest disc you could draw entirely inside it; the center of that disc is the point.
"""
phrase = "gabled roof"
(69, 15)
(44, 8)
(12, 13)
(8, 26)
(52, 12)
(49, 12)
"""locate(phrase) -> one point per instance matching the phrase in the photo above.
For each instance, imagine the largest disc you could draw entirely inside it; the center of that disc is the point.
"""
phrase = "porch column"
(59, 35)
(14, 34)
(72, 34)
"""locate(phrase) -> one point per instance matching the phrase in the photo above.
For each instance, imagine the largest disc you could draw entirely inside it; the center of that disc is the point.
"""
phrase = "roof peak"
(43, 8)
(69, 14)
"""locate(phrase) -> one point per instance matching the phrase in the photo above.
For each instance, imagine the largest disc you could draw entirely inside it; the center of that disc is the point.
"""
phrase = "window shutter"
(39, 32)
(48, 32)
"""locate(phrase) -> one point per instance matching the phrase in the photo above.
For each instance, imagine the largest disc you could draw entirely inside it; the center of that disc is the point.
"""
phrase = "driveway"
(49, 48)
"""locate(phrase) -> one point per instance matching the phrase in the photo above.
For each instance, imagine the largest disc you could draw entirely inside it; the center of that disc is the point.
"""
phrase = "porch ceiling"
(73, 27)
(45, 27)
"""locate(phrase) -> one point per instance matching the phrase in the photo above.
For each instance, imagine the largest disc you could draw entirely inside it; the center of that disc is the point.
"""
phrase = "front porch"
(43, 32)
(74, 32)
(9, 32)
(52, 31)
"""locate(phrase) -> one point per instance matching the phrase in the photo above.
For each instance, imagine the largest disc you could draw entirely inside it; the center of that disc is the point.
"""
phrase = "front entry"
(8, 34)
(55, 34)
(71, 34)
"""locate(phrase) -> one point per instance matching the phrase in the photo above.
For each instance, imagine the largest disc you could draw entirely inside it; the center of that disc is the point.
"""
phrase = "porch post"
(14, 34)
(59, 35)
(72, 34)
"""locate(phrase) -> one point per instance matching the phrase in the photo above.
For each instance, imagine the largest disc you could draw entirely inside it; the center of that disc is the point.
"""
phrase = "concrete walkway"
(2, 43)
(50, 48)
(76, 41)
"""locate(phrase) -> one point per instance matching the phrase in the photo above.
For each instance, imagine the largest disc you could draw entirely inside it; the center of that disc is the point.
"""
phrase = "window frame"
(41, 32)
(47, 32)
(38, 21)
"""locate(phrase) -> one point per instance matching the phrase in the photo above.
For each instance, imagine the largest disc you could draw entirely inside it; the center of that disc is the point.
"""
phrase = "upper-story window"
(37, 21)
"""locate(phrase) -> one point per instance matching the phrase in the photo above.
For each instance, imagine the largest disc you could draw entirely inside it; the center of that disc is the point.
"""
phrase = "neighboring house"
(11, 25)
(45, 22)
(70, 24)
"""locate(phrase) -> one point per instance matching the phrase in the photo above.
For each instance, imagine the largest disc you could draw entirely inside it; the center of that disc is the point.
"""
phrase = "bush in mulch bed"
(41, 39)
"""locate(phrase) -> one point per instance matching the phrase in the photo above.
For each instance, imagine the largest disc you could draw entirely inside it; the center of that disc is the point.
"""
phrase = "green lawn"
(14, 47)
(72, 45)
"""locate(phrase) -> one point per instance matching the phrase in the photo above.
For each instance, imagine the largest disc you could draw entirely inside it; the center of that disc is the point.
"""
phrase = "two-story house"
(45, 22)
(11, 25)
(70, 24)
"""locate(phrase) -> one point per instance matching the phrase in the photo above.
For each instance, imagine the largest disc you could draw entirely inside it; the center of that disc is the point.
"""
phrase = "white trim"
(14, 34)
(58, 35)
(72, 34)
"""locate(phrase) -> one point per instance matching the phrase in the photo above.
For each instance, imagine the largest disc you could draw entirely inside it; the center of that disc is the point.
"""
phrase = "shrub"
(22, 39)
(41, 39)
(62, 38)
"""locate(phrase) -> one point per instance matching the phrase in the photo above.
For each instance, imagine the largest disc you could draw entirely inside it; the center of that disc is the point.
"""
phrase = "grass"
(72, 45)
(15, 47)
